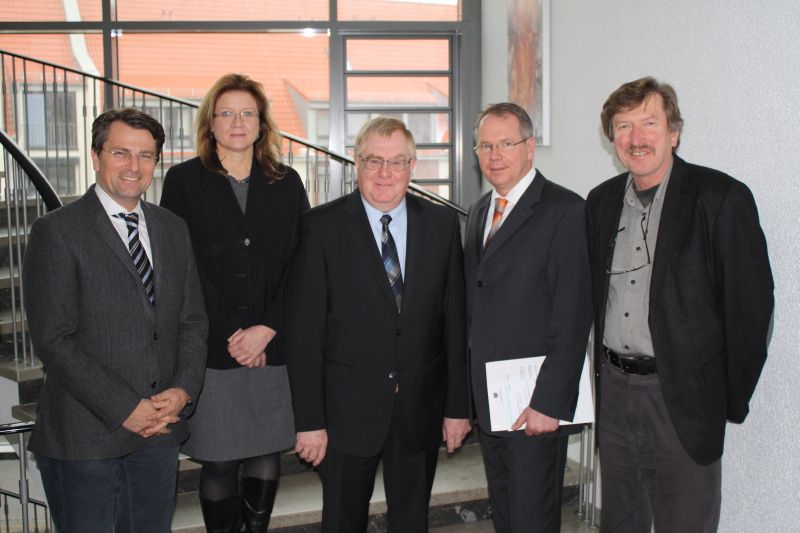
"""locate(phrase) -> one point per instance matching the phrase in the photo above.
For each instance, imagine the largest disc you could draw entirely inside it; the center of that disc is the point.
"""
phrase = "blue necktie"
(391, 262)
(138, 254)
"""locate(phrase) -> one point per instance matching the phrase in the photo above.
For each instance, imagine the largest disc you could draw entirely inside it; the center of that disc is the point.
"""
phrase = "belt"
(631, 364)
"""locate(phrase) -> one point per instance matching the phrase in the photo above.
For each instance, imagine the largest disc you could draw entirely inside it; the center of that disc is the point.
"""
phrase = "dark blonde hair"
(632, 94)
(267, 147)
(384, 127)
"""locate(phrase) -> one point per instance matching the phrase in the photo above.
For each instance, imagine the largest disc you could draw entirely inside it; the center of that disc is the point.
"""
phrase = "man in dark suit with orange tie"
(375, 340)
(527, 276)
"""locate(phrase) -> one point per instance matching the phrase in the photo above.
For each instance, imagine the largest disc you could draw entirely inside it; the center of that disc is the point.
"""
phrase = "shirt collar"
(375, 214)
(113, 208)
(518, 190)
(633, 200)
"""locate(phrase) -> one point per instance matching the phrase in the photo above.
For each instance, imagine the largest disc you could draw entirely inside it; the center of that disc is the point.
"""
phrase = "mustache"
(639, 148)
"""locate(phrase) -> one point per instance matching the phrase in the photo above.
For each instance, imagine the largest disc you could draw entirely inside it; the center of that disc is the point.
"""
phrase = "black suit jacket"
(242, 258)
(710, 298)
(528, 294)
(348, 347)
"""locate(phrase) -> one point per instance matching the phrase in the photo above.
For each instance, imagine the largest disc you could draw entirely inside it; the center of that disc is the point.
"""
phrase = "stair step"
(7, 320)
(459, 494)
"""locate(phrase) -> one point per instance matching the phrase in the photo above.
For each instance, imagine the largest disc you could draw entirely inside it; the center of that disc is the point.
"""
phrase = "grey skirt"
(241, 413)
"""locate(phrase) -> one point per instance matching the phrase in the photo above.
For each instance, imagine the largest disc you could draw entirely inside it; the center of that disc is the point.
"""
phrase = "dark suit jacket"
(710, 298)
(104, 347)
(242, 258)
(528, 294)
(348, 347)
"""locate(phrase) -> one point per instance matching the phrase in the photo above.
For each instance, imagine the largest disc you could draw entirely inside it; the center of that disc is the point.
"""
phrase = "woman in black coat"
(242, 207)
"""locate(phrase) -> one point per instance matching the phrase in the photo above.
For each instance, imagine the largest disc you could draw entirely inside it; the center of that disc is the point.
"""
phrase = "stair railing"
(49, 108)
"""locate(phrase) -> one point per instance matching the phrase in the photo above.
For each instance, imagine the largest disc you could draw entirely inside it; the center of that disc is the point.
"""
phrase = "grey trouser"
(646, 475)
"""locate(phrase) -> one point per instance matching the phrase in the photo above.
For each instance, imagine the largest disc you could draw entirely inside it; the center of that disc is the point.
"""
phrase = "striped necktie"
(138, 254)
(391, 261)
(497, 216)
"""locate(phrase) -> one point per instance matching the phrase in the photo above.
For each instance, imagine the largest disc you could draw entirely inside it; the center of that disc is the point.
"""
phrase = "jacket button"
(155, 336)
(153, 385)
(397, 332)
(392, 374)
(246, 242)
(480, 283)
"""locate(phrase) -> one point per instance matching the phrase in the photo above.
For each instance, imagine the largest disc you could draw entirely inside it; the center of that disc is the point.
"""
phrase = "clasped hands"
(248, 346)
(153, 415)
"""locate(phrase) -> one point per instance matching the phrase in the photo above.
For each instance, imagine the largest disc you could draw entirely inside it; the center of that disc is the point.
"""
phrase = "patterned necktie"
(497, 216)
(391, 261)
(138, 254)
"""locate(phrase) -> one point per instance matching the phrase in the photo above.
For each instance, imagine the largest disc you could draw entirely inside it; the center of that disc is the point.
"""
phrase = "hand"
(144, 420)
(247, 345)
(311, 445)
(535, 422)
(453, 432)
(258, 362)
(172, 400)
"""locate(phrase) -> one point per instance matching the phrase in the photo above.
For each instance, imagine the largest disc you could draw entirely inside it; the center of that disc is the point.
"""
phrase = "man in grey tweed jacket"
(123, 356)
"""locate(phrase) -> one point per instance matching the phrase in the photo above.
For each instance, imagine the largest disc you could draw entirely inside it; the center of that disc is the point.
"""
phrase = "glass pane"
(398, 54)
(433, 164)
(50, 10)
(426, 127)
(82, 51)
(399, 10)
(396, 91)
(228, 10)
(185, 65)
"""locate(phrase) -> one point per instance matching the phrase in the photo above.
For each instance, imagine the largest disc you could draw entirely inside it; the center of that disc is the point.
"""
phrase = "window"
(52, 120)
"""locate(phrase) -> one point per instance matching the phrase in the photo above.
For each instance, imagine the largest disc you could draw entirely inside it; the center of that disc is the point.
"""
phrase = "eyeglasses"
(127, 155)
(229, 115)
(505, 146)
(376, 163)
(610, 271)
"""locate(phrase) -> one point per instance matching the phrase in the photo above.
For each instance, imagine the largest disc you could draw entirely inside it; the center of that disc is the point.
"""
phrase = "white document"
(510, 385)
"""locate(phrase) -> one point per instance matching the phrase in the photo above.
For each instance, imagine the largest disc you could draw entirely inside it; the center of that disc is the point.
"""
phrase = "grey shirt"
(627, 307)
(240, 190)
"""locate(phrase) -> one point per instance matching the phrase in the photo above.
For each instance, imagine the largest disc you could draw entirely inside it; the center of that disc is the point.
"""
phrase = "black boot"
(258, 495)
(223, 516)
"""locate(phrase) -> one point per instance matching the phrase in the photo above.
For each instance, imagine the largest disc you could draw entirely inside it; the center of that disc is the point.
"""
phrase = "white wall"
(736, 67)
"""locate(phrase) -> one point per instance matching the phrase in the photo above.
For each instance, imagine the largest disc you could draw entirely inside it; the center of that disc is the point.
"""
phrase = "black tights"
(219, 480)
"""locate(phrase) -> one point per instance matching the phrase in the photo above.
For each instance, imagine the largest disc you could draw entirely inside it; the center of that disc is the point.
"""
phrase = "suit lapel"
(221, 191)
(415, 226)
(104, 229)
(361, 235)
(610, 210)
(475, 229)
(257, 197)
(675, 215)
(521, 212)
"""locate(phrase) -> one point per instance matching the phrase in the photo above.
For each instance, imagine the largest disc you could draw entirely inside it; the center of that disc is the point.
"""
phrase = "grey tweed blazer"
(104, 347)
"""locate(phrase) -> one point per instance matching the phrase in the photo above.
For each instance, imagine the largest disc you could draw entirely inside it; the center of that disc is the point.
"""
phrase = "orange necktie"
(497, 216)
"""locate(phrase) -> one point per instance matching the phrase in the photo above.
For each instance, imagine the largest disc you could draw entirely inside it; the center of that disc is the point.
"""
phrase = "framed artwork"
(529, 62)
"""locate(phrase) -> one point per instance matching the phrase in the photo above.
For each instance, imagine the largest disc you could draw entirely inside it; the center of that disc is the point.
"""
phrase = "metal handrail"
(20, 429)
(37, 177)
(342, 159)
